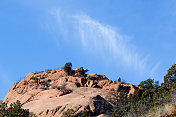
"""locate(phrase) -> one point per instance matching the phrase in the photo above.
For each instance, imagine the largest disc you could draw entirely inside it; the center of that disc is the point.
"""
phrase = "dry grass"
(160, 111)
(167, 109)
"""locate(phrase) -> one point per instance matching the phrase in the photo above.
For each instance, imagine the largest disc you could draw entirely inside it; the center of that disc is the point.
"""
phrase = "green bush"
(82, 71)
(68, 68)
(15, 110)
(68, 113)
(119, 79)
(35, 79)
(83, 114)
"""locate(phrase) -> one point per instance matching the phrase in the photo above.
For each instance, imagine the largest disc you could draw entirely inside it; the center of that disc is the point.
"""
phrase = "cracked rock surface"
(49, 94)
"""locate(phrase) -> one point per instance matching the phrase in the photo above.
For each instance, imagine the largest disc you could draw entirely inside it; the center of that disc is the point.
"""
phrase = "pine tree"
(67, 68)
(15, 110)
(119, 79)
(170, 77)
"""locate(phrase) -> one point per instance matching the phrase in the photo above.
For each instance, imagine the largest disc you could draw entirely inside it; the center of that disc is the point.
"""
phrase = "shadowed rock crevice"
(99, 109)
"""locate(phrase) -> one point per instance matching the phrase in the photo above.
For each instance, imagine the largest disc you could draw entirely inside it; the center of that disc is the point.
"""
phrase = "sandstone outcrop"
(50, 93)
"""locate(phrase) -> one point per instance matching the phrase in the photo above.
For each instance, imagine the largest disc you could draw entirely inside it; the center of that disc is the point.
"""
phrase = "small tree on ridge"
(67, 68)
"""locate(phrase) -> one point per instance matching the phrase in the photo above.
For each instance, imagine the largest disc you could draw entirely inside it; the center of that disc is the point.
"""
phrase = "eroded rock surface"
(53, 92)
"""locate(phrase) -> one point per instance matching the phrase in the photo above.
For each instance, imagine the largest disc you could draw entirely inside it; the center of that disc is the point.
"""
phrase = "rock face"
(53, 92)
(0, 102)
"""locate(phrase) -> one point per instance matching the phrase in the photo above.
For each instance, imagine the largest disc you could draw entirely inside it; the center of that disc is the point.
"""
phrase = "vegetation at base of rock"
(67, 68)
(70, 113)
(83, 114)
(150, 96)
(15, 110)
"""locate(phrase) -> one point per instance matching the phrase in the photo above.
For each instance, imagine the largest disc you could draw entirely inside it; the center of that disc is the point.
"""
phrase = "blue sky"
(134, 40)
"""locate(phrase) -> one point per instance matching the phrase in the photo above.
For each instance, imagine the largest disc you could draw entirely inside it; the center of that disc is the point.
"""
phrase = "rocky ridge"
(52, 92)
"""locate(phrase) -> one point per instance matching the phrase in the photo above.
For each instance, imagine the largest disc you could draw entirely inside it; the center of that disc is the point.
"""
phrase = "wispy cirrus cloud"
(105, 39)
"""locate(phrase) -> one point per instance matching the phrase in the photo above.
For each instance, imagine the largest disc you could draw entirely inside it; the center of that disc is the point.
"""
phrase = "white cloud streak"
(106, 40)
(103, 41)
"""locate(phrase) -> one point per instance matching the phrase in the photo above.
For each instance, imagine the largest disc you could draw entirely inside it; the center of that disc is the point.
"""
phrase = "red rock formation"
(54, 92)
(0, 102)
